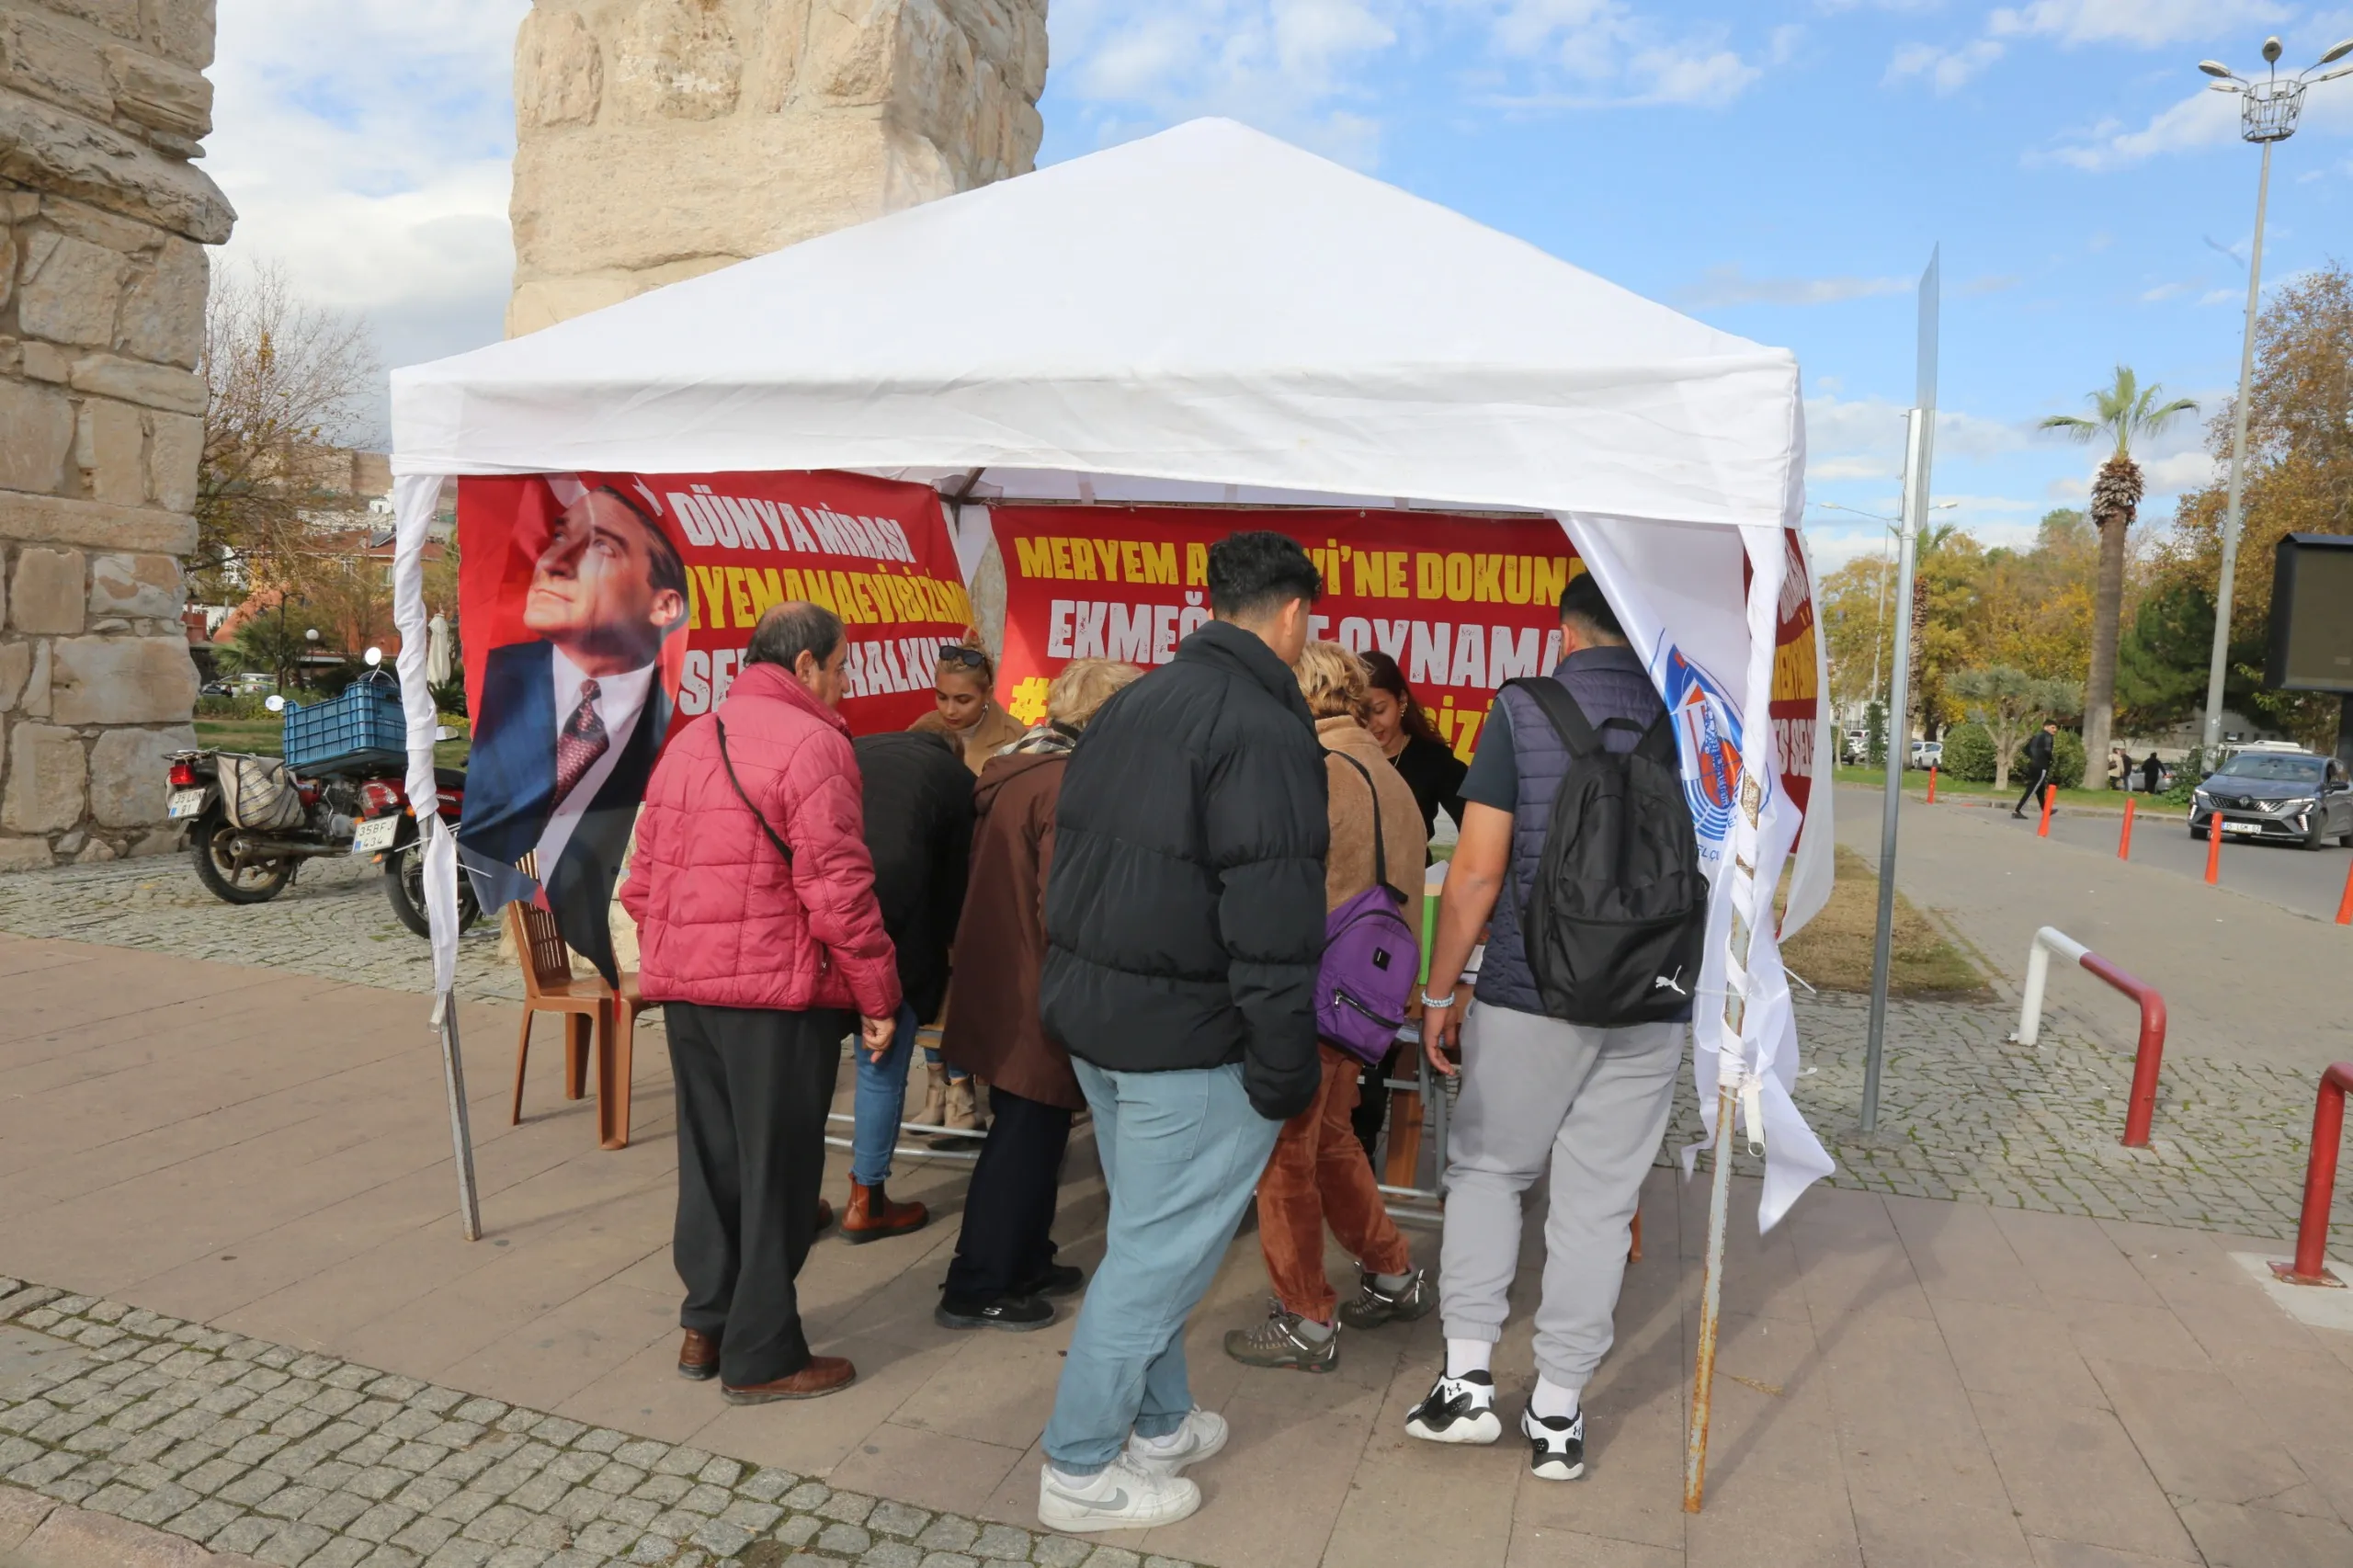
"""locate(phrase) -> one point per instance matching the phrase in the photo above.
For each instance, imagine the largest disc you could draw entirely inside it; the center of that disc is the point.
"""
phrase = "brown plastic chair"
(588, 1008)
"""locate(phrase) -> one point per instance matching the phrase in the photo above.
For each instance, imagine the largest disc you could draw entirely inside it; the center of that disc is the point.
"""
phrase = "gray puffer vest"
(1609, 683)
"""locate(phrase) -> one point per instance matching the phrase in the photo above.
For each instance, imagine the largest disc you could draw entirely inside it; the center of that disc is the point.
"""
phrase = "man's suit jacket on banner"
(510, 795)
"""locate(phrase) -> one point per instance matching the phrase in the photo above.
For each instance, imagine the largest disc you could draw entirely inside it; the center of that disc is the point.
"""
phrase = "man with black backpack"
(1578, 856)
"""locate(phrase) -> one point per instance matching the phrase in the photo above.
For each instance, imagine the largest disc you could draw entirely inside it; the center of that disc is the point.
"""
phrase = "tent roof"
(1207, 305)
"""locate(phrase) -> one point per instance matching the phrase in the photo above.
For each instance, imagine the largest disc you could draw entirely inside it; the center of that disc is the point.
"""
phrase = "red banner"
(1796, 705)
(600, 610)
(1464, 604)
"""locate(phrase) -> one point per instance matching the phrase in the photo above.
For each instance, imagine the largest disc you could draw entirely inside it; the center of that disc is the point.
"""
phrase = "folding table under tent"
(1209, 315)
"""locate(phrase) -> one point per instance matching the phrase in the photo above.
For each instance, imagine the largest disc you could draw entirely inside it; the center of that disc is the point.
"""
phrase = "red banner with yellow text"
(1464, 604)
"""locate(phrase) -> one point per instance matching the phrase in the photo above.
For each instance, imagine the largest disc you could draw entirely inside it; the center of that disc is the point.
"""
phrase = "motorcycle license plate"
(184, 803)
(2242, 828)
(376, 837)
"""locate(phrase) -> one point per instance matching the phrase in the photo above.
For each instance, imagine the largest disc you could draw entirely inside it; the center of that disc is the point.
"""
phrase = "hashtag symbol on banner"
(1028, 704)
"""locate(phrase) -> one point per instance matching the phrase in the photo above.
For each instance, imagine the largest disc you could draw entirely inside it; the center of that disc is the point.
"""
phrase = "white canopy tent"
(1210, 314)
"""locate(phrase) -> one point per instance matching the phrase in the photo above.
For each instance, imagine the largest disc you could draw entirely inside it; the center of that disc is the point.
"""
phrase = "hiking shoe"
(1017, 1314)
(1059, 1279)
(1202, 1436)
(1457, 1410)
(1558, 1442)
(1282, 1341)
(1375, 1306)
(1122, 1496)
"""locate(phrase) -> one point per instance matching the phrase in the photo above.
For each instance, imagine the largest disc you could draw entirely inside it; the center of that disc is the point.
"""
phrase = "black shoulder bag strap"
(1380, 849)
(1554, 702)
(728, 763)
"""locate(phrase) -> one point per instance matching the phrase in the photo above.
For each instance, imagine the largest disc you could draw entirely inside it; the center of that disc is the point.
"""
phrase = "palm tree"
(2121, 413)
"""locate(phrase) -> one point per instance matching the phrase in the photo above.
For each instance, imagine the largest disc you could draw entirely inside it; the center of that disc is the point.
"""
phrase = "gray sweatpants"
(1597, 1101)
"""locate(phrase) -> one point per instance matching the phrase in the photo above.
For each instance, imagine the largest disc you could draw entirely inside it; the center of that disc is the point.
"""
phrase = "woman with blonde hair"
(964, 687)
(1318, 1172)
(1005, 1258)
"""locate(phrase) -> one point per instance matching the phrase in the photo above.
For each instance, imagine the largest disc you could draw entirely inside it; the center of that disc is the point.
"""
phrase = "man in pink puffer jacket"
(757, 927)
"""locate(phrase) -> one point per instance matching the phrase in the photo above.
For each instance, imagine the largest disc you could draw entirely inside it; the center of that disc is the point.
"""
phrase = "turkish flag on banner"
(1462, 603)
(601, 611)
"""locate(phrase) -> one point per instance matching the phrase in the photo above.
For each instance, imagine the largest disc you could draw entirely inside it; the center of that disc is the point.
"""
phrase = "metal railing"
(2148, 1057)
(2311, 1265)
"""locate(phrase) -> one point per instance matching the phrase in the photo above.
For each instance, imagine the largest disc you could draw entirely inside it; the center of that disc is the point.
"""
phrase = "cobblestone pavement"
(333, 922)
(1963, 1114)
(306, 1461)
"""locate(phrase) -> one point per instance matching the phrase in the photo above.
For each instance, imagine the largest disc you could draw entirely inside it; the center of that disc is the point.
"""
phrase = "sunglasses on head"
(970, 658)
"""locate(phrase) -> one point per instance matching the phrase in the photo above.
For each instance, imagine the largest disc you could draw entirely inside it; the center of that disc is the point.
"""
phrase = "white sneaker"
(1202, 1436)
(1457, 1410)
(1124, 1496)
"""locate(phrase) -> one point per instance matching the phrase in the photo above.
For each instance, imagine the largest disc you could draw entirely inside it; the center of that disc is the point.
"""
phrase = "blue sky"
(1777, 167)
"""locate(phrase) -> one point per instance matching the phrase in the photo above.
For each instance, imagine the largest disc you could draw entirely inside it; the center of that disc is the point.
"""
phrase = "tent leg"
(462, 1138)
(1703, 1376)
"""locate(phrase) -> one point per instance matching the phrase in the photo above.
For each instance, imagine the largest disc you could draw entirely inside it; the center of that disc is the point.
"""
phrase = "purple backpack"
(1371, 958)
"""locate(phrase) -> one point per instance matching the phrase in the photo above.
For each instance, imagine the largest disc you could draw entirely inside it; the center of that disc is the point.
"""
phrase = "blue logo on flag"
(1706, 733)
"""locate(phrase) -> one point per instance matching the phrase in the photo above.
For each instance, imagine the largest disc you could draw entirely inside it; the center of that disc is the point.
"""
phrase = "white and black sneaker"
(1457, 1410)
(1558, 1442)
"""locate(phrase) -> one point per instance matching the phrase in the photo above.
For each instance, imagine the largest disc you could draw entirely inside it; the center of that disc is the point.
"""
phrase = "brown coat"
(1347, 869)
(996, 730)
(993, 1029)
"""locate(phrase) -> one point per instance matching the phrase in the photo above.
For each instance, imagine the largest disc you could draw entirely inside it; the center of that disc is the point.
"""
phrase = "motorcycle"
(252, 821)
(388, 831)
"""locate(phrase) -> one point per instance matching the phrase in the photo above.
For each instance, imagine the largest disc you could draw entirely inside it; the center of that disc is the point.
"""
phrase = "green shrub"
(242, 706)
(1969, 753)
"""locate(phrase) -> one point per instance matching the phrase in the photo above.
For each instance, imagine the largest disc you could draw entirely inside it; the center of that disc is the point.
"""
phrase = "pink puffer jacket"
(721, 920)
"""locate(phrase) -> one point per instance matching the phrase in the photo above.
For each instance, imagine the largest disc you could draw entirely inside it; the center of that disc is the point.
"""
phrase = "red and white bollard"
(2124, 841)
(2311, 1266)
(2148, 1056)
(2213, 849)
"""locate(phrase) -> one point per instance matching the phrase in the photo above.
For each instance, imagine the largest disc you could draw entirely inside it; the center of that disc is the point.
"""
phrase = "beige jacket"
(1348, 871)
(996, 730)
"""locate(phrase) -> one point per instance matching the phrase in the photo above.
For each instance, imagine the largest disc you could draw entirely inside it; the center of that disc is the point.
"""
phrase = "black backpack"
(1613, 924)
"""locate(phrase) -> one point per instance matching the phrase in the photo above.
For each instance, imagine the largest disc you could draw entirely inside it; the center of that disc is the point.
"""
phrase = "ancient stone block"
(161, 94)
(174, 443)
(127, 775)
(150, 386)
(70, 291)
(47, 779)
(48, 362)
(47, 592)
(51, 149)
(109, 447)
(39, 426)
(25, 855)
(16, 666)
(48, 61)
(162, 311)
(676, 59)
(146, 587)
(558, 73)
(121, 680)
(120, 17)
(181, 29)
(53, 519)
(101, 227)
(7, 266)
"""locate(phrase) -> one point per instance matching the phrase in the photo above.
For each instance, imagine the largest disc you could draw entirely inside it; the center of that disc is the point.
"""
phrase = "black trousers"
(753, 1086)
(1009, 1208)
(2033, 792)
(1372, 1103)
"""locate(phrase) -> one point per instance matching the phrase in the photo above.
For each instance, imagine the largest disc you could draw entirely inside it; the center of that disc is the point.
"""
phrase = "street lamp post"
(1892, 526)
(2268, 111)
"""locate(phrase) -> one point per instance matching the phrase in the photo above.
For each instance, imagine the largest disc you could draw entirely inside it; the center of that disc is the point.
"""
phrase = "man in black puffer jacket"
(1184, 925)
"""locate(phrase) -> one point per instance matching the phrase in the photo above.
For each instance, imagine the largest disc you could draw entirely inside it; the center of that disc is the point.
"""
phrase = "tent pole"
(1898, 733)
(453, 1079)
(1711, 1284)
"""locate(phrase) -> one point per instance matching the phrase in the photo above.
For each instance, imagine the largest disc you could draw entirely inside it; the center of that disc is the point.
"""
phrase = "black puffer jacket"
(1185, 917)
(919, 829)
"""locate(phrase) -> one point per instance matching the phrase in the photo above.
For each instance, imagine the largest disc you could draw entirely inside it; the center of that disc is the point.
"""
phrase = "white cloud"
(1989, 283)
(2203, 119)
(1730, 284)
(2182, 470)
(2145, 22)
(366, 145)
(1945, 70)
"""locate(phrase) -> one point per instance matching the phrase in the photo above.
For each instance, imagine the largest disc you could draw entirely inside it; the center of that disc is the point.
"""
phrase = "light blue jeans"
(881, 1104)
(1181, 1152)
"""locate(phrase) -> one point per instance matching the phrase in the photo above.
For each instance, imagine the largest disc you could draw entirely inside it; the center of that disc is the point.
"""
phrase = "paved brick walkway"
(308, 1461)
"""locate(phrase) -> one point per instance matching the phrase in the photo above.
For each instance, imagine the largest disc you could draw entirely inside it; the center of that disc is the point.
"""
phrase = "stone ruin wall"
(103, 276)
(661, 139)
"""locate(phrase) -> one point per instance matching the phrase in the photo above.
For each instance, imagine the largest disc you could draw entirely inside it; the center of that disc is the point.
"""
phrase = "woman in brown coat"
(1318, 1172)
(1005, 1258)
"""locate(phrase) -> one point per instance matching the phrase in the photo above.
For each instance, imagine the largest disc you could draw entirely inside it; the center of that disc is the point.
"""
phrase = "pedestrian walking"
(1318, 1172)
(1574, 1044)
(2117, 776)
(1183, 927)
(1004, 1273)
(754, 897)
(918, 805)
(2038, 766)
(2151, 772)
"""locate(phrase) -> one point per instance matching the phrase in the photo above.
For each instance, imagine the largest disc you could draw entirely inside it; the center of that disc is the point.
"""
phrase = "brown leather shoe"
(872, 1215)
(822, 1375)
(699, 1357)
(824, 1215)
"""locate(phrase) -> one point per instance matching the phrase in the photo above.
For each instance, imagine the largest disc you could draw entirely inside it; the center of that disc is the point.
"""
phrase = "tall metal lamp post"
(2269, 110)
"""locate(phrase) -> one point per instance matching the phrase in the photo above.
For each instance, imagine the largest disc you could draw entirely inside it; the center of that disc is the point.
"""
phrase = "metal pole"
(1898, 727)
(453, 1078)
(2213, 733)
(1711, 1281)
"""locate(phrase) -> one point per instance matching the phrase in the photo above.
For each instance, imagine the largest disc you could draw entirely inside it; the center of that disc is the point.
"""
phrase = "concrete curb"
(37, 1533)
